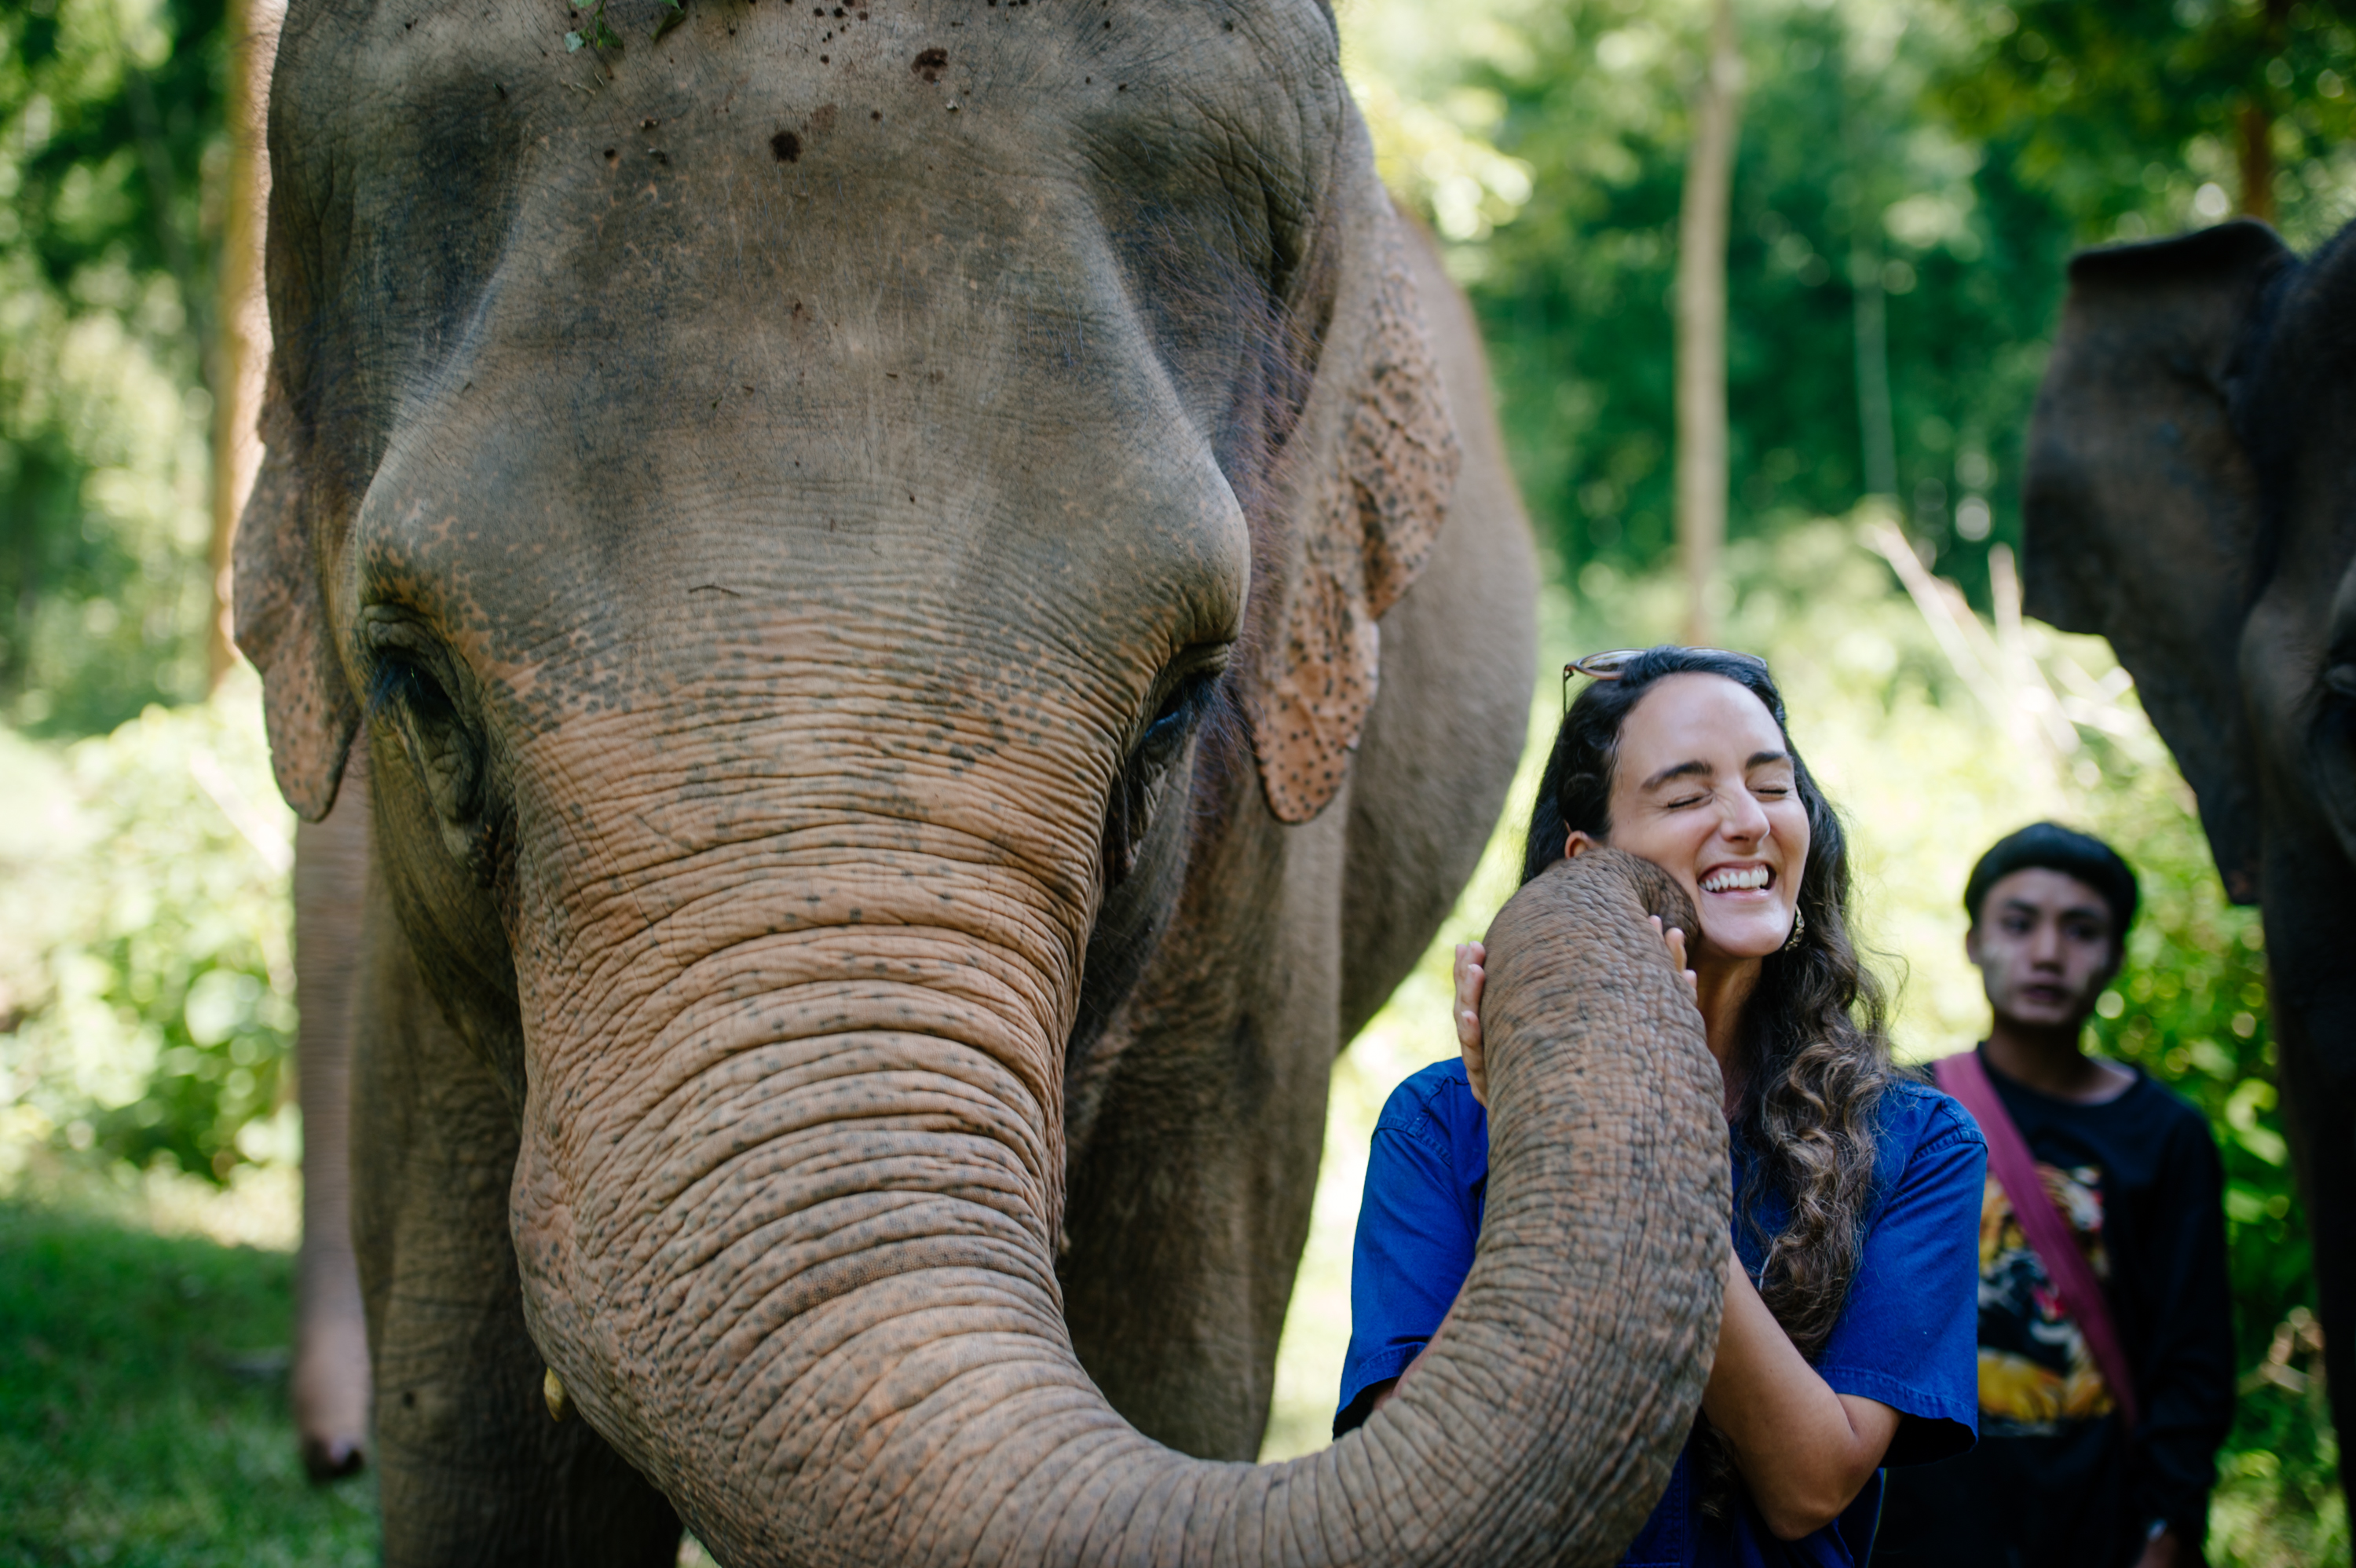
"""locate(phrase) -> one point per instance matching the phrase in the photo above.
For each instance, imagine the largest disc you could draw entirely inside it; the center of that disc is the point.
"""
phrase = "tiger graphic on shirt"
(2036, 1372)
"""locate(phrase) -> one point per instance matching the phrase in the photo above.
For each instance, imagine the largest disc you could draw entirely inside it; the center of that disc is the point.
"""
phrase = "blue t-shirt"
(1907, 1335)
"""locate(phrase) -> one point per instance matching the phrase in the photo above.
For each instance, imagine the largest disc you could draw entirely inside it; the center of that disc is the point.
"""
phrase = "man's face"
(2045, 948)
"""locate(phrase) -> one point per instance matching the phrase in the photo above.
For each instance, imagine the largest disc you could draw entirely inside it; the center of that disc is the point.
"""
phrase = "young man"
(2057, 1478)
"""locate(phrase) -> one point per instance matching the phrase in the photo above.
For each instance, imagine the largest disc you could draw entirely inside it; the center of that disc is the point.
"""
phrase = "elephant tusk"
(559, 1404)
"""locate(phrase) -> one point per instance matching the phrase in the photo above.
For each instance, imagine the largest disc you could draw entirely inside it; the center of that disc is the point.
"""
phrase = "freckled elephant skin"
(936, 612)
(2191, 472)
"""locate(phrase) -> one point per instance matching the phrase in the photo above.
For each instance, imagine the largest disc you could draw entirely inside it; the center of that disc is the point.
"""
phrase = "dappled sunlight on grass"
(143, 1396)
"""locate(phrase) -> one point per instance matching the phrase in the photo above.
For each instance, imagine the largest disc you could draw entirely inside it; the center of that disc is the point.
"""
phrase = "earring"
(1799, 929)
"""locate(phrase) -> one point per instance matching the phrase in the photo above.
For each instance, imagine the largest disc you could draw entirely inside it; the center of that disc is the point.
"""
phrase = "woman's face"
(1705, 790)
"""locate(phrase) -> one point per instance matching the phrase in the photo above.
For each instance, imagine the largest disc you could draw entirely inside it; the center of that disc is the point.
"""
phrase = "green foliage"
(1938, 159)
(111, 149)
(143, 1404)
(146, 987)
(597, 35)
(1840, 180)
(2278, 1502)
(2133, 116)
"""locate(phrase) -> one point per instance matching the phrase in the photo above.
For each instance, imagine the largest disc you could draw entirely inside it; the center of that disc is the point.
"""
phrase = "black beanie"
(2049, 846)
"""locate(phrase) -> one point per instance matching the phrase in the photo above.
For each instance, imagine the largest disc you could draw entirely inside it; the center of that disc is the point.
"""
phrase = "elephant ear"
(2140, 506)
(283, 624)
(1374, 504)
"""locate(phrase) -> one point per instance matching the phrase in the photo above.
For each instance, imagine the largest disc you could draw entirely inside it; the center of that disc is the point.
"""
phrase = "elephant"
(937, 618)
(2189, 494)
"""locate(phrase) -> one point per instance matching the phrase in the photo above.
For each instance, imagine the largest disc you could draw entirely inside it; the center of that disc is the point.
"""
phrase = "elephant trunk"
(864, 1359)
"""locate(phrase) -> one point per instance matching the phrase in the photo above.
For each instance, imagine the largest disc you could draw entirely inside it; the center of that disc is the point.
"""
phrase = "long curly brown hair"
(1815, 1049)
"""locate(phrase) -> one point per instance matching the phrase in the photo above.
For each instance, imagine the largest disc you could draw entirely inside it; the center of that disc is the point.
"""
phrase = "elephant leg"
(2319, 1107)
(2313, 993)
(473, 1467)
(330, 1383)
(1190, 1203)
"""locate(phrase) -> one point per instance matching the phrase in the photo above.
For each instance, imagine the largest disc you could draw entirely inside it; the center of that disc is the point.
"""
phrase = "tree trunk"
(1701, 319)
(1878, 434)
(2254, 128)
(242, 340)
(2254, 124)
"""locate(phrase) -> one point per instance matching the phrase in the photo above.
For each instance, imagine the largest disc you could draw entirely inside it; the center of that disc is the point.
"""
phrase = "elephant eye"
(406, 684)
(1147, 777)
(407, 690)
(415, 687)
(1181, 707)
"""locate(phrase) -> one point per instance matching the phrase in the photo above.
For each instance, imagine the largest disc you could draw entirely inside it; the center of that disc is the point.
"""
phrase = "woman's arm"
(1805, 1451)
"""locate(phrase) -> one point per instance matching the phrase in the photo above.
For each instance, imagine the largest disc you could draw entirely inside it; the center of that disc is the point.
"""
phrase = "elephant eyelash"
(1185, 700)
(1200, 704)
(1183, 710)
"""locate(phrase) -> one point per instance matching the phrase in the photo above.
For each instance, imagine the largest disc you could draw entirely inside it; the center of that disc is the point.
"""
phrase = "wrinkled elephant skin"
(937, 617)
(2192, 496)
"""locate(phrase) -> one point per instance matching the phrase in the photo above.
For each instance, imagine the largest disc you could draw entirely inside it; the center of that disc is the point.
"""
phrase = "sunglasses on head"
(1613, 665)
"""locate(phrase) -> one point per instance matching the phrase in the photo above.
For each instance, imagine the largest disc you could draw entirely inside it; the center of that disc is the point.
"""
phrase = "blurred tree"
(1889, 282)
(111, 153)
(2143, 118)
(1715, 120)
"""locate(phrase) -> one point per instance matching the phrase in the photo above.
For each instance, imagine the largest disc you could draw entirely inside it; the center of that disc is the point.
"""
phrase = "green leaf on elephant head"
(597, 35)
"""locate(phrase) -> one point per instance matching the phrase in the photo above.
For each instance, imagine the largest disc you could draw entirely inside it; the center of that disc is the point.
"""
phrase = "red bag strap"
(2048, 1233)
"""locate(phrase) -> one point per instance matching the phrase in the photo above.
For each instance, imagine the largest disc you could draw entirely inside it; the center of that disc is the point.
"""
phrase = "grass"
(142, 1403)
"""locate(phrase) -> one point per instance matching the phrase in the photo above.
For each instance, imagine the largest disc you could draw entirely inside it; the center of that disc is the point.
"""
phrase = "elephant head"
(821, 511)
(2190, 495)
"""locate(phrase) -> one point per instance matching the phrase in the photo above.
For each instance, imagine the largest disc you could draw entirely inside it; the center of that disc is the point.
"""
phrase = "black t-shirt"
(2056, 1478)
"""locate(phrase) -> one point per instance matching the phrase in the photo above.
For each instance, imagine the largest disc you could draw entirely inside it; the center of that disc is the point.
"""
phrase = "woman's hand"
(1471, 976)
(1676, 937)
(1805, 1451)
(1469, 957)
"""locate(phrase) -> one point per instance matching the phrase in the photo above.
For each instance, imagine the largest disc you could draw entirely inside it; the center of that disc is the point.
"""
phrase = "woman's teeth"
(1731, 879)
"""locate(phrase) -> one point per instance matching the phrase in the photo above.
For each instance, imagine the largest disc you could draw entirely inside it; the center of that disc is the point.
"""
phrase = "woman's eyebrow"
(1694, 769)
(1766, 759)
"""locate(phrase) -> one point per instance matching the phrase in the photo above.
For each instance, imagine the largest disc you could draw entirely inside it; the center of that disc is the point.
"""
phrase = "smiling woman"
(1847, 1342)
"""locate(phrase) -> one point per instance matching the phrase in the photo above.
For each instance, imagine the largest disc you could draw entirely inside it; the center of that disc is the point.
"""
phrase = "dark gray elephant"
(938, 619)
(2192, 496)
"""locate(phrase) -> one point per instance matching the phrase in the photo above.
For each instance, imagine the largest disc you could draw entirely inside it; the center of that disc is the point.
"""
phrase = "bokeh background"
(1910, 178)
